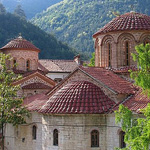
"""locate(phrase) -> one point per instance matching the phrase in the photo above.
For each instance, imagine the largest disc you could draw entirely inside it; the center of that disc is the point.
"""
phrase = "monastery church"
(72, 106)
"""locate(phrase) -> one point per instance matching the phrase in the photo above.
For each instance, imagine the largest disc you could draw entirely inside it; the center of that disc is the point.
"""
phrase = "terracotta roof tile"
(125, 69)
(36, 86)
(135, 102)
(58, 65)
(35, 102)
(78, 97)
(20, 43)
(109, 79)
(128, 21)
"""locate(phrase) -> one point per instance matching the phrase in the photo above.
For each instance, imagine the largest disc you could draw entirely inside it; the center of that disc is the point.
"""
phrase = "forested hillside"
(31, 7)
(75, 21)
(11, 26)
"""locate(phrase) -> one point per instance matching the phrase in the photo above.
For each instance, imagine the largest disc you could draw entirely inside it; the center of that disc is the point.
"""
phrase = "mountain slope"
(31, 7)
(11, 26)
(75, 21)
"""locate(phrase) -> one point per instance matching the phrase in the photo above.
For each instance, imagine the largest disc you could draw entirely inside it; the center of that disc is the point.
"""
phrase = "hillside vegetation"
(11, 26)
(31, 7)
(75, 21)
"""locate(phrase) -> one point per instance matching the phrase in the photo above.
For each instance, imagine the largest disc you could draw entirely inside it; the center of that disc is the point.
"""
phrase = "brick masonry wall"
(117, 41)
(21, 56)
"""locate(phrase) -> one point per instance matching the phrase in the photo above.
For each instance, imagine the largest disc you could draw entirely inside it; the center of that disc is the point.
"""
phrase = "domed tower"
(24, 54)
(115, 42)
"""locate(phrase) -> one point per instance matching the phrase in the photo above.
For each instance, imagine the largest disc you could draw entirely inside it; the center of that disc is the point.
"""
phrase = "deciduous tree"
(11, 109)
(137, 130)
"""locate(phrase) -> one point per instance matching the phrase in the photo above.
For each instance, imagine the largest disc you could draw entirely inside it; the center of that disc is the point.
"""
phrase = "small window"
(109, 55)
(122, 143)
(94, 138)
(34, 130)
(28, 65)
(127, 53)
(55, 137)
(14, 63)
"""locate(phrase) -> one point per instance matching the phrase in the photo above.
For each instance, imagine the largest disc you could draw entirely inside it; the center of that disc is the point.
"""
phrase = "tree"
(2, 9)
(92, 60)
(11, 109)
(137, 130)
(19, 12)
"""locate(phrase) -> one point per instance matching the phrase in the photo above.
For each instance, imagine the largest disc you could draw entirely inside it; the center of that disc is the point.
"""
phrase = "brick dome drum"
(129, 21)
(78, 97)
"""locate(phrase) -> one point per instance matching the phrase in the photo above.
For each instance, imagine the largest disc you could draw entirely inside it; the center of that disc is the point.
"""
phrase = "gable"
(35, 77)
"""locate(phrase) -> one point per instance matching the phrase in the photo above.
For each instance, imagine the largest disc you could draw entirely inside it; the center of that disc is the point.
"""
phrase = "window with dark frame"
(34, 130)
(127, 53)
(55, 137)
(109, 55)
(122, 143)
(28, 65)
(94, 138)
(14, 63)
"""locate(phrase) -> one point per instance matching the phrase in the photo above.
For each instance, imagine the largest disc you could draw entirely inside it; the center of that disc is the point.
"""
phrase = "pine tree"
(19, 12)
(2, 9)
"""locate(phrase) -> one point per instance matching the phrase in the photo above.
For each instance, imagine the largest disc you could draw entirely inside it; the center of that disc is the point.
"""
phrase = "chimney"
(77, 59)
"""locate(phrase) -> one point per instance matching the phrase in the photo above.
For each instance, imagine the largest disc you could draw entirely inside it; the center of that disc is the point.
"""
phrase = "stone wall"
(74, 132)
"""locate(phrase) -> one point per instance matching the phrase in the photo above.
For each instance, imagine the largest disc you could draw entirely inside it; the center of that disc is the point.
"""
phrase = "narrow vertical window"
(109, 55)
(94, 138)
(14, 63)
(127, 53)
(122, 143)
(28, 65)
(55, 137)
(34, 130)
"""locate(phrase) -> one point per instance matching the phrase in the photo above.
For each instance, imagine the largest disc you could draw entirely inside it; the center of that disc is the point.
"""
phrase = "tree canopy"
(137, 130)
(11, 108)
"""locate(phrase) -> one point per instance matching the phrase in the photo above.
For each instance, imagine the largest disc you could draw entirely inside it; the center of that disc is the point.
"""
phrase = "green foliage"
(11, 109)
(137, 131)
(75, 21)
(142, 76)
(51, 48)
(19, 12)
(92, 60)
(31, 7)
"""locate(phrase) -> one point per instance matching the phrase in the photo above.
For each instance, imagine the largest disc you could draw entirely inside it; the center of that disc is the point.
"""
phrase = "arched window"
(127, 54)
(28, 65)
(109, 54)
(122, 143)
(34, 130)
(94, 138)
(14, 63)
(55, 137)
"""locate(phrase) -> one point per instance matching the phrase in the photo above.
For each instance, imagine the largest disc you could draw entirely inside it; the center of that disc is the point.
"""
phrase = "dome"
(20, 44)
(78, 97)
(128, 21)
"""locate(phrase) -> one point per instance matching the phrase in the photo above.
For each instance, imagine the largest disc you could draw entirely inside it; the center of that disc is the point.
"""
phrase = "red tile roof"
(109, 79)
(125, 69)
(128, 21)
(78, 97)
(135, 102)
(36, 86)
(35, 102)
(58, 65)
(21, 44)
